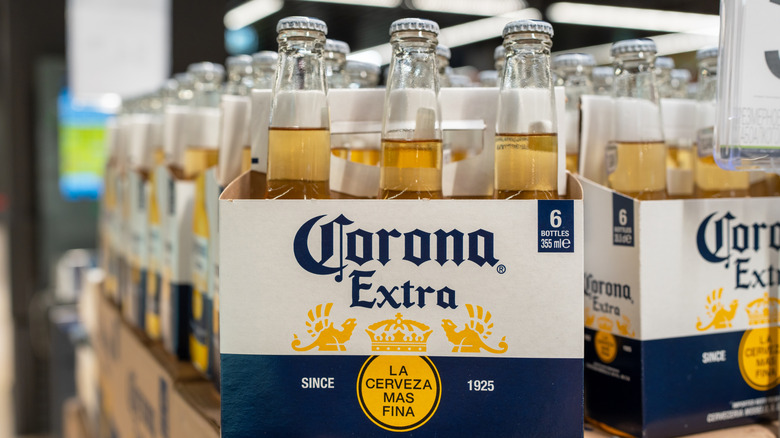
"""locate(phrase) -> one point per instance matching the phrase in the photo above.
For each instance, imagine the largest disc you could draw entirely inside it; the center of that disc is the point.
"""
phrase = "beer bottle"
(636, 158)
(526, 154)
(299, 134)
(602, 78)
(411, 154)
(443, 56)
(264, 69)
(335, 55)
(499, 59)
(362, 74)
(240, 77)
(679, 80)
(240, 81)
(710, 180)
(203, 126)
(663, 76)
(574, 70)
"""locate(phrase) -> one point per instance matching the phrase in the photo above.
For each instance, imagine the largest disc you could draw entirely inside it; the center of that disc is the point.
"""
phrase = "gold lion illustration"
(590, 318)
(623, 328)
(470, 339)
(327, 337)
(721, 318)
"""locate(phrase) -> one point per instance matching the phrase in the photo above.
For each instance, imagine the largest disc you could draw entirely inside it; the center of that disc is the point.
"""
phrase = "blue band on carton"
(141, 288)
(622, 374)
(690, 384)
(622, 220)
(181, 297)
(274, 395)
(556, 225)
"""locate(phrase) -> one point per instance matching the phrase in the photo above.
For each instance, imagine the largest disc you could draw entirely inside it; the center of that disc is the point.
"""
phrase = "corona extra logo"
(399, 335)
(728, 241)
(348, 245)
(360, 246)
(719, 239)
(763, 311)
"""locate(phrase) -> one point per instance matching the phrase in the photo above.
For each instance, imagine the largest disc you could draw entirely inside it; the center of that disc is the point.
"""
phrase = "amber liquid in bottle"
(198, 159)
(340, 152)
(679, 158)
(713, 182)
(246, 158)
(410, 169)
(640, 170)
(298, 163)
(526, 166)
(368, 157)
(573, 162)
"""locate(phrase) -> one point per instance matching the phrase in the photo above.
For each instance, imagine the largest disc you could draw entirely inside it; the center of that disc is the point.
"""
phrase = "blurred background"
(66, 65)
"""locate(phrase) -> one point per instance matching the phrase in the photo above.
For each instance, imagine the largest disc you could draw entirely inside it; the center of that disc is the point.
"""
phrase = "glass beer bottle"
(335, 56)
(411, 154)
(203, 126)
(264, 69)
(299, 133)
(443, 55)
(240, 78)
(574, 70)
(663, 76)
(526, 154)
(636, 158)
(710, 180)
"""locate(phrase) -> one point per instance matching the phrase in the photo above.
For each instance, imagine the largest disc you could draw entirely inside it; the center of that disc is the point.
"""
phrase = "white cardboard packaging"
(679, 299)
(466, 315)
(176, 286)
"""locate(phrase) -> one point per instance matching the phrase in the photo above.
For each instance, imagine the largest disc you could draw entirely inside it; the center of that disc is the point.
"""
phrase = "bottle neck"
(527, 62)
(413, 63)
(239, 82)
(708, 79)
(299, 99)
(300, 64)
(411, 103)
(578, 77)
(635, 76)
(526, 103)
(264, 76)
(334, 69)
(206, 94)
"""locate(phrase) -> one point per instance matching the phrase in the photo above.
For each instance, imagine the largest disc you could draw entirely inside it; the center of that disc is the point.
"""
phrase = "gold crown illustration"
(398, 335)
(604, 323)
(763, 310)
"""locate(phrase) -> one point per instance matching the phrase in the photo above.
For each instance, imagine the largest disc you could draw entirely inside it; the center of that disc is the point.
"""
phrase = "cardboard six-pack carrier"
(681, 306)
(369, 317)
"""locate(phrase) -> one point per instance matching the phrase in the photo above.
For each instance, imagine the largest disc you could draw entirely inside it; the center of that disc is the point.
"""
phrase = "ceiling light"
(462, 34)
(632, 18)
(374, 3)
(484, 29)
(667, 44)
(470, 7)
(247, 13)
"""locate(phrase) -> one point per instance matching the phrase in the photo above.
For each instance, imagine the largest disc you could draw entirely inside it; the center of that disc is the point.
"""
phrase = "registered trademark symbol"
(501, 269)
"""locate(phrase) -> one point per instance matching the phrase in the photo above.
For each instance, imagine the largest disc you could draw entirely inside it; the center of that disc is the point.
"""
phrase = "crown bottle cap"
(518, 26)
(707, 52)
(633, 46)
(336, 46)
(420, 24)
(302, 23)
